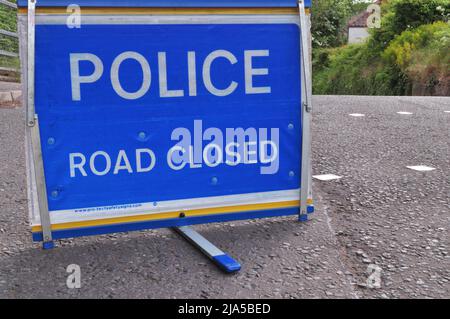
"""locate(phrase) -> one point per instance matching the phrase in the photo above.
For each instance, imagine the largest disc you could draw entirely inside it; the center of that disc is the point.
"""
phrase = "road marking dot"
(421, 168)
(357, 114)
(404, 113)
(326, 177)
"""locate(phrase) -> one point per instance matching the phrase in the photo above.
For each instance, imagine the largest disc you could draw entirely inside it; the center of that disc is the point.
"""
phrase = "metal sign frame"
(33, 131)
(36, 179)
(306, 191)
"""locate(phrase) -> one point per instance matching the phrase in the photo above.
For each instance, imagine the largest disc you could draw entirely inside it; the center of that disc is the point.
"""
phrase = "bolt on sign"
(164, 113)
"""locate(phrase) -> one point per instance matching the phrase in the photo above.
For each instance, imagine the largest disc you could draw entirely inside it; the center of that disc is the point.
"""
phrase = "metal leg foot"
(221, 259)
(48, 245)
(303, 218)
(306, 217)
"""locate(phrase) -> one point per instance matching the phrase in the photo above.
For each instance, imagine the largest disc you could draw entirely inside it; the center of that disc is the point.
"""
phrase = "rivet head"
(54, 193)
(142, 135)
(51, 141)
(214, 180)
(291, 174)
(291, 126)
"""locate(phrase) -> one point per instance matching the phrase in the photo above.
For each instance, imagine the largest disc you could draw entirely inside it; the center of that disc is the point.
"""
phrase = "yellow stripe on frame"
(194, 212)
(167, 11)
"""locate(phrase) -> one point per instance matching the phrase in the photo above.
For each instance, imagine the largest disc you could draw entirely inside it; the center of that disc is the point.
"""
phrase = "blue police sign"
(153, 119)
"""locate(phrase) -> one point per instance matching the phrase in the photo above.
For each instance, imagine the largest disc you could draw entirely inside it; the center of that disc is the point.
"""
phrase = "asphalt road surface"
(380, 231)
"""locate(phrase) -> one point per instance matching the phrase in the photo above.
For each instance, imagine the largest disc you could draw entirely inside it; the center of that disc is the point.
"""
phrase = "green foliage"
(408, 54)
(401, 15)
(9, 62)
(8, 22)
(8, 18)
(352, 70)
(8, 43)
(423, 55)
(434, 37)
(329, 18)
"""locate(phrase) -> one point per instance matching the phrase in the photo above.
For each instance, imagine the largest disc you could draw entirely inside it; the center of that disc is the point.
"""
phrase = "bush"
(8, 18)
(353, 70)
(401, 15)
(329, 19)
(423, 54)
(407, 55)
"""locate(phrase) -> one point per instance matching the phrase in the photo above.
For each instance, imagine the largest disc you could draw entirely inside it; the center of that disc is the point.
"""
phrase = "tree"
(329, 21)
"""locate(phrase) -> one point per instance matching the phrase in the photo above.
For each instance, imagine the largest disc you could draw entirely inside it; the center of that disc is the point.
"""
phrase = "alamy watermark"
(73, 280)
(374, 279)
(374, 19)
(230, 146)
(74, 18)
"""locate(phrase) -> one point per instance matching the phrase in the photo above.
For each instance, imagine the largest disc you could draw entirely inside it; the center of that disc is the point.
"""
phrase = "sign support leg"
(33, 127)
(30, 62)
(306, 106)
(41, 187)
(221, 259)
